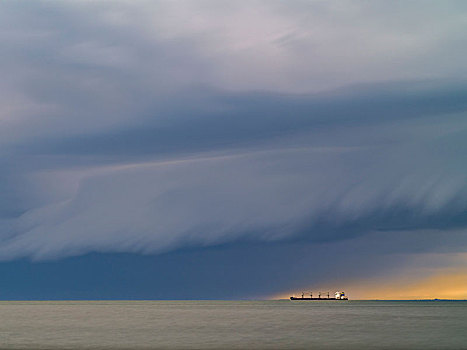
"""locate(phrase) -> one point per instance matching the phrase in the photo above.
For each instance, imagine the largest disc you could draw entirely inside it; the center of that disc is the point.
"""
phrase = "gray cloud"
(323, 185)
(151, 126)
(83, 67)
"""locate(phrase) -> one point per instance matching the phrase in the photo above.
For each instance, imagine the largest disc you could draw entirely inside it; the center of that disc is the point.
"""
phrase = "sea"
(274, 324)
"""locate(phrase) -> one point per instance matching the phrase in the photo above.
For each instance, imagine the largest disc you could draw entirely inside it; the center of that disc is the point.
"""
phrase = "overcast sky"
(218, 147)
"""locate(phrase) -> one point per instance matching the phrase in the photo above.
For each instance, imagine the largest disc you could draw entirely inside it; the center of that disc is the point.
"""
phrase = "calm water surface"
(233, 325)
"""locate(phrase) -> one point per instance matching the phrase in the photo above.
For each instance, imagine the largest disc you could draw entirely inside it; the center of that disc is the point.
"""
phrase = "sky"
(233, 150)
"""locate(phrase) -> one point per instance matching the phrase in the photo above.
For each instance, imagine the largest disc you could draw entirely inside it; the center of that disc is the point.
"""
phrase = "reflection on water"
(233, 325)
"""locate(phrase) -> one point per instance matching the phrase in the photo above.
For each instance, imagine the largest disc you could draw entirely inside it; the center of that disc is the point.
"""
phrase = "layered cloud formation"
(147, 127)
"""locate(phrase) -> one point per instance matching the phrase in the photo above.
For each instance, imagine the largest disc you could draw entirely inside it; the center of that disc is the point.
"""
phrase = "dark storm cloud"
(239, 119)
(340, 182)
(156, 126)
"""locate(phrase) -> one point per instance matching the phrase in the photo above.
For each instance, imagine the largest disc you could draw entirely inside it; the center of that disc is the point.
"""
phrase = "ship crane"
(337, 296)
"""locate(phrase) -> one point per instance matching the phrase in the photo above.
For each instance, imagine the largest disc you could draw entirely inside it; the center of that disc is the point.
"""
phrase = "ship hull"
(296, 298)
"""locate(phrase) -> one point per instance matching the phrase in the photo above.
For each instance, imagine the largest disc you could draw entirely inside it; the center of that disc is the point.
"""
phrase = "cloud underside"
(154, 127)
(324, 180)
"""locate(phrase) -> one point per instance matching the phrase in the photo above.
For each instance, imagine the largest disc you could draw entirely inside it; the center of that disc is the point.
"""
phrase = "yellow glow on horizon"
(452, 286)
(439, 283)
(439, 286)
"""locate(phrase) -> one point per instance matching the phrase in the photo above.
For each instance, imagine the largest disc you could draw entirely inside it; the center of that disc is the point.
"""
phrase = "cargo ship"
(321, 296)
